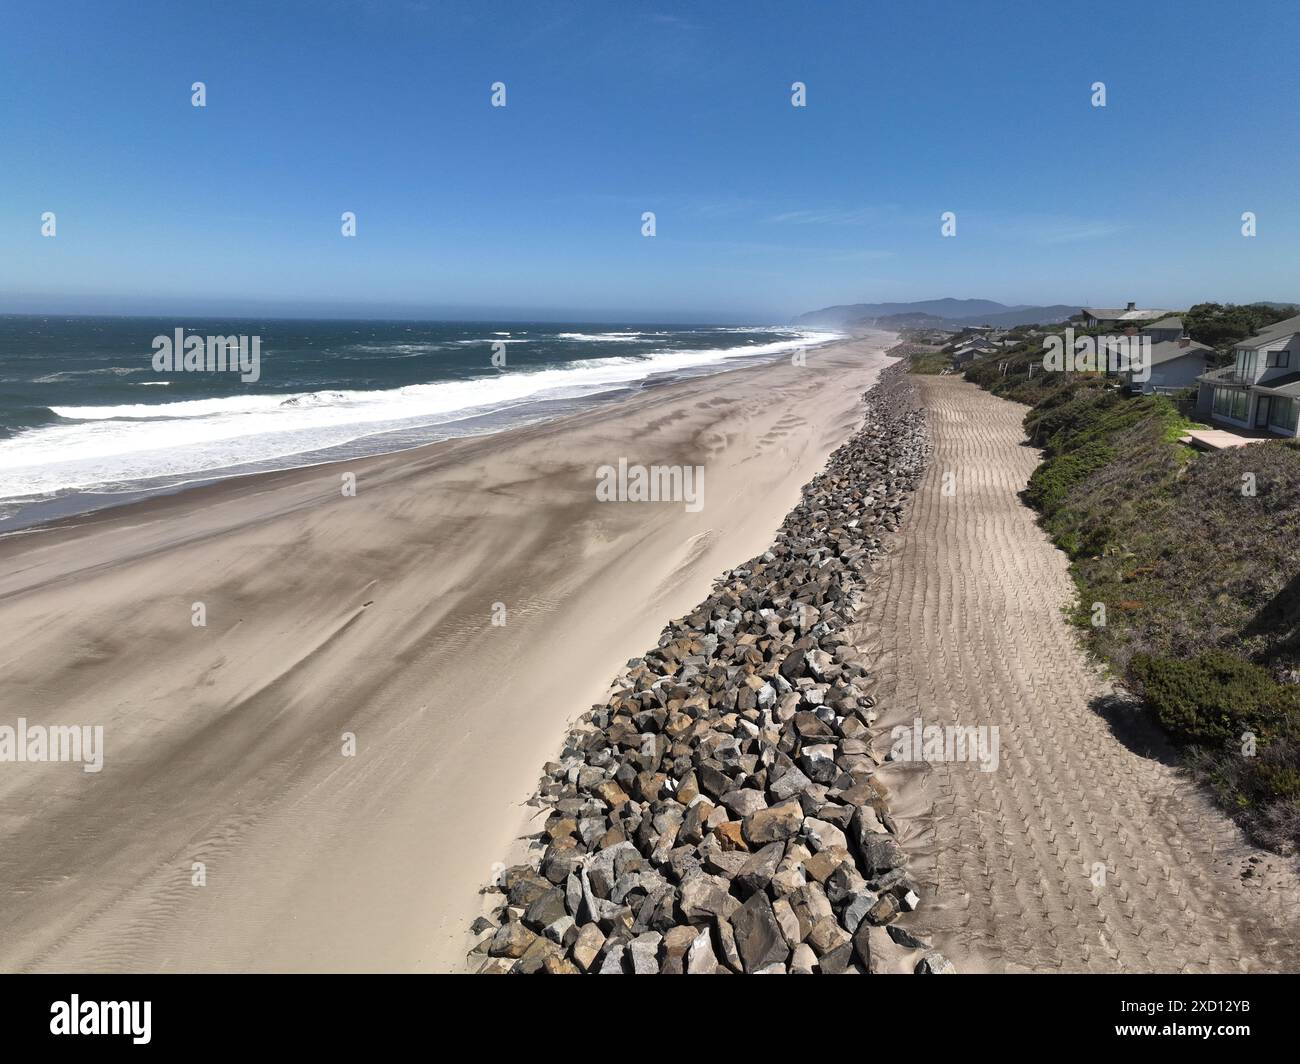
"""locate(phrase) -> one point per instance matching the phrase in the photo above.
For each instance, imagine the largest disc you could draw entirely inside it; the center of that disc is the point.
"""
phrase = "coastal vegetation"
(929, 362)
(1220, 325)
(1189, 587)
(922, 357)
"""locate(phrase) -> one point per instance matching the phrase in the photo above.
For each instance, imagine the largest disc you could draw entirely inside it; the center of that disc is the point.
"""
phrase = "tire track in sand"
(967, 617)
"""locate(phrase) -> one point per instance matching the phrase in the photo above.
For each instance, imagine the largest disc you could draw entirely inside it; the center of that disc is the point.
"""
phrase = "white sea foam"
(114, 445)
(74, 374)
(396, 349)
(608, 338)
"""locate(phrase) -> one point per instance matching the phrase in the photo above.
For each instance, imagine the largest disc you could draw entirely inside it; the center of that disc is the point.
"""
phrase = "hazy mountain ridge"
(935, 312)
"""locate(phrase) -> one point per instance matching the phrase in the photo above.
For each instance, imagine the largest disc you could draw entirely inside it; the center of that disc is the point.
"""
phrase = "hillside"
(948, 312)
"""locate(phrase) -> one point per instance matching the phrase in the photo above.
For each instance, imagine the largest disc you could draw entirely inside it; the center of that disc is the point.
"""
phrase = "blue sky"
(763, 210)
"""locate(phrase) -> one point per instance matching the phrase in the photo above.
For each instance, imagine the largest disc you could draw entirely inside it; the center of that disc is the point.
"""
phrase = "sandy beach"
(330, 615)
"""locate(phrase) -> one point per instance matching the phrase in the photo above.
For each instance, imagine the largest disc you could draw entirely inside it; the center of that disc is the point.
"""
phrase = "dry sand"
(371, 615)
(1087, 849)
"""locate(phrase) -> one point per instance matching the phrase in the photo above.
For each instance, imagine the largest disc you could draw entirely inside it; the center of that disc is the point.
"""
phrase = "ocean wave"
(113, 445)
(609, 337)
(75, 374)
(398, 348)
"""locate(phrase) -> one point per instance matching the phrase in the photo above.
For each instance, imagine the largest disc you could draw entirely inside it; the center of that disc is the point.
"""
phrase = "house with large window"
(1260, 391)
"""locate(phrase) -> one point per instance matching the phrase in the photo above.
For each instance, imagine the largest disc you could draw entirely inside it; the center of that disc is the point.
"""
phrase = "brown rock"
(560, 965)
(692, 829)
(677, 943)
(803, 961)
(511, 940)
(687, 789)
(827, 935)
(791, 930)
(884, 910)
(704, 897)
(730, 835)
(590, 942)
(536, 955)
(612, 794)
(781, 821)
(559, 828)
(820, 866)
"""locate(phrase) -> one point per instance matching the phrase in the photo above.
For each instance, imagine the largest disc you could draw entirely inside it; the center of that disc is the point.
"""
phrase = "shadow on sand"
(1131, 723)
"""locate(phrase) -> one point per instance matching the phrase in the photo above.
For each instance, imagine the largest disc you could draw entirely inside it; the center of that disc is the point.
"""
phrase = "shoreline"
(372, 616)
(40, 513)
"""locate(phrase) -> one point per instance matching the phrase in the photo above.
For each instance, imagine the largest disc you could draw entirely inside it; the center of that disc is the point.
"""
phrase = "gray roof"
(1173, 322)
(1288, 385)
(1274, 334)
(1222, 375)
(1123, 314)
(1168, 350)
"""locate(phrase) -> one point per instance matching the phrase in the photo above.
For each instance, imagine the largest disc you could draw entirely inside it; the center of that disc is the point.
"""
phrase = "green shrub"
(1213, 698)
(1051, 482)
(929, 362)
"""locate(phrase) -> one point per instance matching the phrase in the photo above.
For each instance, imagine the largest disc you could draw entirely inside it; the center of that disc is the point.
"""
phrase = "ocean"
(86, 420)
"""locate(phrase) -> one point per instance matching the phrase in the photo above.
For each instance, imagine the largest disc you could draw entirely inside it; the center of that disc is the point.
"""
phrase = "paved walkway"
(1077, 853)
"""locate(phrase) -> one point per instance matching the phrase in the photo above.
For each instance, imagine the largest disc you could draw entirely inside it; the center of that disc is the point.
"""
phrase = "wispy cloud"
(725, 208)
(675, 21)
(1069, 232)
(833, 216)
(787, 251)
(1057, 229)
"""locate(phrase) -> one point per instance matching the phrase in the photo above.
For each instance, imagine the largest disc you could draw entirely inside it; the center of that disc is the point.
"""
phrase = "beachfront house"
(1170, 328)
(1176, 363)
(969, 350)
(1115, 319)
(1260, 391)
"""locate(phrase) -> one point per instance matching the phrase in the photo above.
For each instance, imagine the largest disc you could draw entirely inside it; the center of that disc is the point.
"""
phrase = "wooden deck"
(1220, 439)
